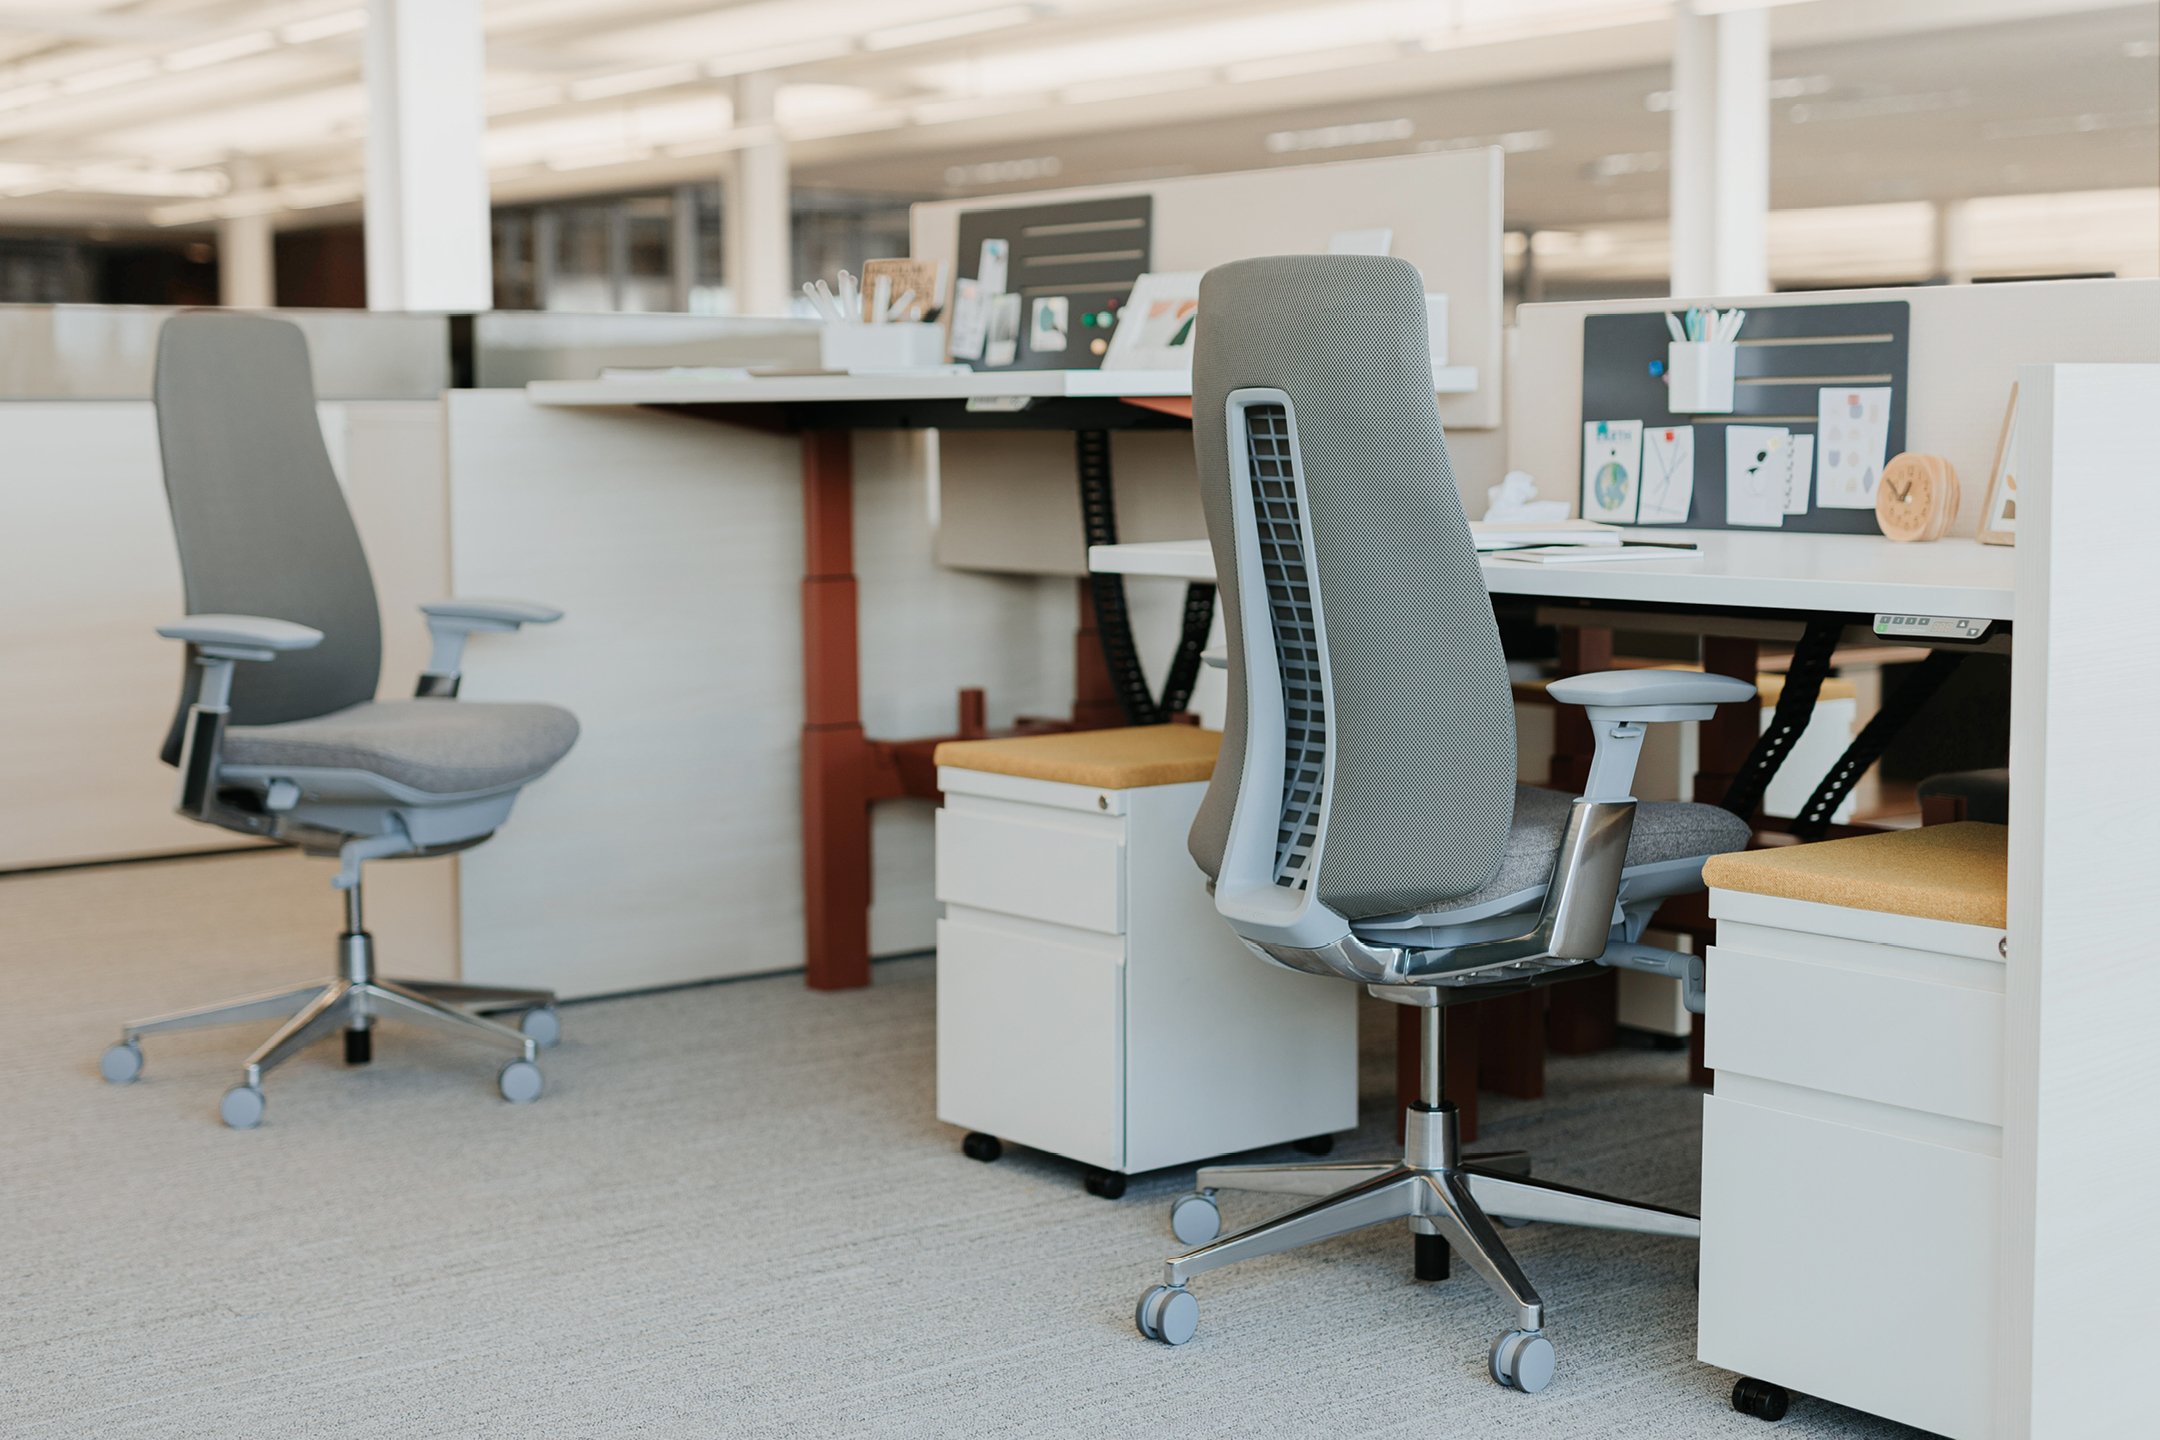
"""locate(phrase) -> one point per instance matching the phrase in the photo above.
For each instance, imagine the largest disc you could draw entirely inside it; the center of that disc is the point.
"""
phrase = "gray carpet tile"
(733, 1213)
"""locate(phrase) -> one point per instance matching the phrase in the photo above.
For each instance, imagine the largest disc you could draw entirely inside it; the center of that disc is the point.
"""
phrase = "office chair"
(295, 747)
(1364, 821)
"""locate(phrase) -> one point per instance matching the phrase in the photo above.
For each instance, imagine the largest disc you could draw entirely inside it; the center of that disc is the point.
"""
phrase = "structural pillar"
(1953, 252)
(427, 184)
(758, 249)
(1720, 152)
(247, 261)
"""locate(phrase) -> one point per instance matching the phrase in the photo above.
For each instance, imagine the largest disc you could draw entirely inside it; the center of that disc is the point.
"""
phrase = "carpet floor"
(734, 1213)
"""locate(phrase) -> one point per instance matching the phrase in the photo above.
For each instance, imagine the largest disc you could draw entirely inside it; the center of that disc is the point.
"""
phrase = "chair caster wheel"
(1429, 1256)
(242, 1107)
(542, 1026)
(1167, 1313)
(1195, 1219)
(519, 1082)
(121, 1064)
(979, 1146)
(1315, 1145)
(1522, 1360)
(1760, 1399)
(359, 1046)
(1106, 1183)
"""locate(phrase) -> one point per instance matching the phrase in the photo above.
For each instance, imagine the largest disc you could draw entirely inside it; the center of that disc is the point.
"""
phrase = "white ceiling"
(174, 112)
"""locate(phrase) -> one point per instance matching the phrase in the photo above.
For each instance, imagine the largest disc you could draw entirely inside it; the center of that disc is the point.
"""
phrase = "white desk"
(985, 385)
(1738, 570)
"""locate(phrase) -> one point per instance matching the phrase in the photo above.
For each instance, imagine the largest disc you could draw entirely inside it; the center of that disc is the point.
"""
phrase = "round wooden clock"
(1917, 498)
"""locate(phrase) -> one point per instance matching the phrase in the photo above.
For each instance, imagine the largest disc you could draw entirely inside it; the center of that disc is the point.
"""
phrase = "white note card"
(1611, 467)
(990, 265)
(1799, 472)
(1755, 474)
(1852, 437)
(1668, 476)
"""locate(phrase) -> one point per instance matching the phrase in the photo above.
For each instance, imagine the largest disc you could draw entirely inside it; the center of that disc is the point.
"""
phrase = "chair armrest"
(1650, 694)
(450, 621)
(1621, 702)
(241, 637)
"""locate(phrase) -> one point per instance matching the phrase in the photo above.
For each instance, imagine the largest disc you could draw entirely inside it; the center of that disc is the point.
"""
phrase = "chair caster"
(359, 1046)
(1315, 1145)
(1429, 1256)
(1167, 1313)
(542, 1026)
(519, 1082)
(1522, 1360)
(1760, 1399)
(1106, 1183)
(121, 1064)
(1195, 1219)
(979, 1146)
(242, 1107)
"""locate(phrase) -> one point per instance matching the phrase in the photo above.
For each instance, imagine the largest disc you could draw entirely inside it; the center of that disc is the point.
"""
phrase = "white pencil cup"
(1699, 376)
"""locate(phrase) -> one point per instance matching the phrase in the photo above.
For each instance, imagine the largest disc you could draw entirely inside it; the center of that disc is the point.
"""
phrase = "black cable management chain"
(1113, 623)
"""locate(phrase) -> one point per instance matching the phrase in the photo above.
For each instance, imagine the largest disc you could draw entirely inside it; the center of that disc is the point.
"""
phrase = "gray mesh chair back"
(259, 515)
(1368, 763)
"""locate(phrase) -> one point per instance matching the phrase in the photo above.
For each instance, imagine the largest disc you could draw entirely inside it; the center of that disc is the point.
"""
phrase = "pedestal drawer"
(1033, 862)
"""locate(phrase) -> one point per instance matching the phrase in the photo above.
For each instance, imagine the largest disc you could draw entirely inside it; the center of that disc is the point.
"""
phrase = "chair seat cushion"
(444, 747)
(1664, 830)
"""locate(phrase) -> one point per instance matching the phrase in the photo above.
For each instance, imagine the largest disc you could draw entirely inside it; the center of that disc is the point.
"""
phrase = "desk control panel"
(1933, 627)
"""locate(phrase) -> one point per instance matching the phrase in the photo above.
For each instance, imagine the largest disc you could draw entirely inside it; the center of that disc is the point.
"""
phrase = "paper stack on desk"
(1508, 534)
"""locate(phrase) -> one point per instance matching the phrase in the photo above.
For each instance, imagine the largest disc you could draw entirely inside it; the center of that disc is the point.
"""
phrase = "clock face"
(1918, 497)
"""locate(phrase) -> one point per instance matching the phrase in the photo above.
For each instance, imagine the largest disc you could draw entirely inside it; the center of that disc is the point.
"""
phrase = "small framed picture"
(1998, 515)
(1155, 326)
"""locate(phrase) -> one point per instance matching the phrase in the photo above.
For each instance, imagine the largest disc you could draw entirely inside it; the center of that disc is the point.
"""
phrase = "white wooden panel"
(1862, 1029)
(1852, 1265)
(666, 847)
(1065, 869)
(2081, 1145)
(1029, 1037)
(1223, 1051)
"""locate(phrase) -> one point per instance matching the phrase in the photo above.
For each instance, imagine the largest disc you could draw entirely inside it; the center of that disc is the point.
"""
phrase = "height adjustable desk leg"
(835, 754)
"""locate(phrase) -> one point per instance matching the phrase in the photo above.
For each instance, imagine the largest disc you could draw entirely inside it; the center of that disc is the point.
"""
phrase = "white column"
(1953, 251)
(757, 248)
(427, 187)
(1720, 152)
(247, 260)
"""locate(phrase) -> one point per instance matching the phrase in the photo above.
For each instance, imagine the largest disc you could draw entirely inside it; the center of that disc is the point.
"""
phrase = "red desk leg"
(835, 754)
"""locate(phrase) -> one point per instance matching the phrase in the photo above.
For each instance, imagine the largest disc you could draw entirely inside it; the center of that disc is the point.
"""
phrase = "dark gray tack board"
(1787, 353)
(1088, 251)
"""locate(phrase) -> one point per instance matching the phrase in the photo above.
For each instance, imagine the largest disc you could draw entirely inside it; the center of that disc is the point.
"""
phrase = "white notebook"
(1600, 554)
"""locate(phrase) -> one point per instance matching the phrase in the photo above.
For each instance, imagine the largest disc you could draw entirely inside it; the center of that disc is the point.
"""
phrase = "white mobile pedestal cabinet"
(1090, 1001)
(1852, 1240)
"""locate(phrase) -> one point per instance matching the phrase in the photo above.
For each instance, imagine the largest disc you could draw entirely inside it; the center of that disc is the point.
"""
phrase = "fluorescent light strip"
(85, 81)
(778, 57)
(323, 27)
(217, 52)
(949, 27)
(634, 82)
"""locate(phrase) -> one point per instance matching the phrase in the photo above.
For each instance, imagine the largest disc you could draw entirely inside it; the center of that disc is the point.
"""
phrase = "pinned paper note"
(990, 266)
(1004, 341)
(1611, 468)
(1668, 476)
(1046, 331)
(1755, 474)
(1799, 472)
(1852, 438)
(970, 319)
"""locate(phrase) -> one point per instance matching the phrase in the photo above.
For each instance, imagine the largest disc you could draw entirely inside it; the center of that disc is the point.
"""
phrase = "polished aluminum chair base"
(1447, 1197)
(352, 1003)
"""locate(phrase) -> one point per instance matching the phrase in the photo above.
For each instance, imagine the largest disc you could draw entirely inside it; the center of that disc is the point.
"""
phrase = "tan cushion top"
(1105, 759)
(1940, 872)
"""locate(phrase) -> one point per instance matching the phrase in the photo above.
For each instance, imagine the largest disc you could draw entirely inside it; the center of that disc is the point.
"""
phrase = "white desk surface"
(897, 385)
(1738, 569)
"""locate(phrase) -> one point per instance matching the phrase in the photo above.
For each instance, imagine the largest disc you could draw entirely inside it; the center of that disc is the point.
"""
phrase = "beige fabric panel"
(1941, 872)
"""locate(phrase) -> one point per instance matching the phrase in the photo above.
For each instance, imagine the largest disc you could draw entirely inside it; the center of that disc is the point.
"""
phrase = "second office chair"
(1364, 821)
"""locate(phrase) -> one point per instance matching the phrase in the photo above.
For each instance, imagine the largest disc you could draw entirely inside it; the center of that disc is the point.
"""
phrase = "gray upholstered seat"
(1664, 830)
(441, 747)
